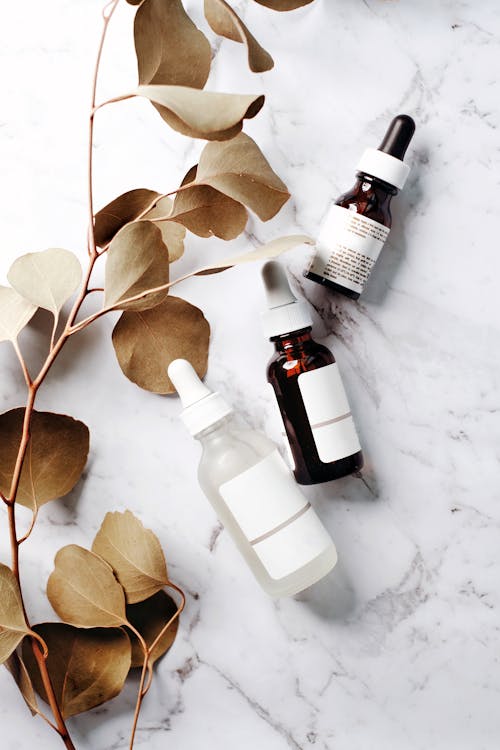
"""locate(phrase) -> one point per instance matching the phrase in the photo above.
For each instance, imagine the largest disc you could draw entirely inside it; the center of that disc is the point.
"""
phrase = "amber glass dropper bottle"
(316, 415)
(357, 225)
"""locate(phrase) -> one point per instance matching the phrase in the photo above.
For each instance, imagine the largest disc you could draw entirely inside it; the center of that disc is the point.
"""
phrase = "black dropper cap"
(398, 136)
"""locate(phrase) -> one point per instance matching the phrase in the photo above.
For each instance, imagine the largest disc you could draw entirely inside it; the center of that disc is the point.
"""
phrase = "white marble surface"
(398, 648)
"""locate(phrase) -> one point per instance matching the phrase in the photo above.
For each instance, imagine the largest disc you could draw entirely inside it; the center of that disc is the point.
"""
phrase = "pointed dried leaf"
(269, 250)
(284, 4)
(137, 260)
(127, 207)
(202, 114)
(134, 553)
(239, 169)
(47, 278)
(149, 617)
(207, 212)
(226, 22)
(55, 459)
(13, 626)
(84, 591)
(146, 342)
(172, 232)
(170, 49)
(17, 668)
(86, 667)
(15, 313)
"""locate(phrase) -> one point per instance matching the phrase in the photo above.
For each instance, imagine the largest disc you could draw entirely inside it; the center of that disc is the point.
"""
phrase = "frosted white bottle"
(253, 493)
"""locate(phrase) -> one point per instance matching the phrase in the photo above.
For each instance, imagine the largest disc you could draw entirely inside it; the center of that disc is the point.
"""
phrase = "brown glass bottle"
(297, 353)
(357, 224)
(369, 197)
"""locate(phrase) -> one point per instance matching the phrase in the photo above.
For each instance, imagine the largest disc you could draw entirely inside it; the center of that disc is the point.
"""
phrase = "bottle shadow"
(333, 597)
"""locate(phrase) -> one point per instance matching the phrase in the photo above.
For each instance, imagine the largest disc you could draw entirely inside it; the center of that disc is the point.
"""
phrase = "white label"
(275, 517)
(329, 413)
(348, 246)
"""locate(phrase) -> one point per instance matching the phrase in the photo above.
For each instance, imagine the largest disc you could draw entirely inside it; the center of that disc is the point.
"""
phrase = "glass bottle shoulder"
(369, 197)
(229, 450)
(292, 360)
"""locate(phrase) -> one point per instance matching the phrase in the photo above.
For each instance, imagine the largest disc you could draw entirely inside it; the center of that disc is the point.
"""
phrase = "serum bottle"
(357, 225)
(316, 415)
(253, 493)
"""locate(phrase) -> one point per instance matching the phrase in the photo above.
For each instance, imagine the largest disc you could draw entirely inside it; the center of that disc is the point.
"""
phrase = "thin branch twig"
(27, 376)
(140, 693)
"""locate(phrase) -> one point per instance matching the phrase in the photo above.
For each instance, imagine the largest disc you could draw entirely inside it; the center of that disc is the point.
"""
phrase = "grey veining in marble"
(398, 649)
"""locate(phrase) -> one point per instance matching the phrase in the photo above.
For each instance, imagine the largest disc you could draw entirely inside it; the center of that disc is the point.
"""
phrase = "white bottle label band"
(329, 414)
(348, 246)
(275, 516)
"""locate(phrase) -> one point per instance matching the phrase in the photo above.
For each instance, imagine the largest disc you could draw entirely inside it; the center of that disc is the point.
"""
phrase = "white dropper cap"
(286, 313)
(202, 407)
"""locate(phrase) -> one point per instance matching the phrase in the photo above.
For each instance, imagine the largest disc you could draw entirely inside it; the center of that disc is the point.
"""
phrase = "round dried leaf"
(84, 591)
(146, 342)
(17, 668)
(202, 114)
(134, 553)
(13, 626)
(56, 456)
(226, 22)
(127, 207)
(149, 618)
(239, 169)
(169, 47)
(284, 4)
(86, 667)
(137, 260)
(207, 212)
(15, 313)
(47, 278)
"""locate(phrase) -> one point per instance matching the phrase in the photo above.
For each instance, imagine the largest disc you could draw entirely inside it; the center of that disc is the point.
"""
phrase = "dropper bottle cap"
(286, 313)
(202, 407)
(386, 162)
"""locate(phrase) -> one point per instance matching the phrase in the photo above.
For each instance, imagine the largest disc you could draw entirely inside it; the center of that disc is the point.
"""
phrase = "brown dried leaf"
(84, 591)
(149, 617)
(239, 169)
(207, 212)
(134, 553)
(202, 114)
(269, 250)
(172, 232)
(146, 342)
(137, 260)
(226, 22)
(13, 626)
(284, 4)
(170, 49)
(134, 2)
(86, 667)
(17, 668)
(127, 207)
(15, 313)
(47, 278)
(56, 456)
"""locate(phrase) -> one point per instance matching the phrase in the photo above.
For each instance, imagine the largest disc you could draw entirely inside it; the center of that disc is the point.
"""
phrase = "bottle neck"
(290, 342)
(379, 189)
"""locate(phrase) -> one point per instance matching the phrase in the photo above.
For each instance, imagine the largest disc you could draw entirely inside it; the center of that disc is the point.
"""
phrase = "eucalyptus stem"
(33, 386)
(140, 692)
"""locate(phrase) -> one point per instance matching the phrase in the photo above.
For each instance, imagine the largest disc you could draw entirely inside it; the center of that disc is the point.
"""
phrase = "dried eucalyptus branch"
(141, 234)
